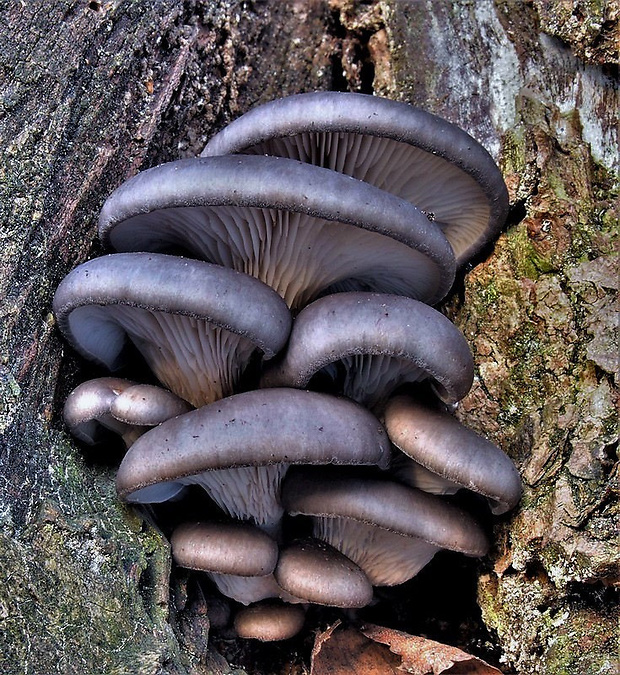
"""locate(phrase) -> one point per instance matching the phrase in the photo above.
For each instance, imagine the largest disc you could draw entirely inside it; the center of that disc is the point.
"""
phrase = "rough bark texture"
(91, 92)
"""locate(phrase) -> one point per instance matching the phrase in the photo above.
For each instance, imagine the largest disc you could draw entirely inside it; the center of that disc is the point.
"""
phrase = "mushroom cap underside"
(410, 152)
(260, 213)
(263, 427)
(352, 324)
(385, 504)
(230, 300)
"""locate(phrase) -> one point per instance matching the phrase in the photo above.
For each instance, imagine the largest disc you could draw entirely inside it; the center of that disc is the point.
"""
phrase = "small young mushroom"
(240, 447)
(120, 405)
(404, 150)
(442, 445)
(238, 557)
(196, 324)
(269, 622)
(301, 229)
(391, 531)
(87, 409)
(373, 343)
(316, 572)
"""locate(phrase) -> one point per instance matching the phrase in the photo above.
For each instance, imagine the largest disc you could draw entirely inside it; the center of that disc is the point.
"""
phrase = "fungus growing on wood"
(456, 455)
(368, 344)
(301, 229)
(239, 449)
(404, 150)
(196, 324)
(390, 530)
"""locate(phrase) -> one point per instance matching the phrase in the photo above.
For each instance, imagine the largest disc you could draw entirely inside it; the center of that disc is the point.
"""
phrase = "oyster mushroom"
(457, 456)
(389, 530)
(122, 406)
(240, 448)
(301, 229)
(416, 155)
(268, 622)
(238, 557)
(196, 324)
(372, 343)
(316, 572)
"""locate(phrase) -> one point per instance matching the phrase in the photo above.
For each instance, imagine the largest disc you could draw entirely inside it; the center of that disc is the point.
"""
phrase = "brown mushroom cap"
(441, 444)
(318, 573)
(88, 406)
(380, 341)
(269, 622)
(301, 229)
(225, 548)
(254, 437)
(414, 154)
(238, 557)
(147, 405)
(389, 530)
(196, 324)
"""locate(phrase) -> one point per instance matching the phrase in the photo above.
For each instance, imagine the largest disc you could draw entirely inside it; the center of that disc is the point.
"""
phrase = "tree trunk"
(92, 92)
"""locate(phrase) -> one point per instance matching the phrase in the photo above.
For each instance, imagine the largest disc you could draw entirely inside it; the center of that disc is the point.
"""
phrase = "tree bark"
(92, 92)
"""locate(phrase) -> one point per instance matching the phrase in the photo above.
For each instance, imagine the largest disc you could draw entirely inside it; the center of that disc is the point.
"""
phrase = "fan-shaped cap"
(414, 154)
(316, 572)
(197, 324)
(225, 548)
(262, 431)
(269, 622)
(299, 228)
(441, 444)
(380, 341)
(121, 405)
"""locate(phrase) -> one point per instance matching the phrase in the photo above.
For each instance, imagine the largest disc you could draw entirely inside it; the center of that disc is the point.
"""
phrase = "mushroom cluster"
(279, 288)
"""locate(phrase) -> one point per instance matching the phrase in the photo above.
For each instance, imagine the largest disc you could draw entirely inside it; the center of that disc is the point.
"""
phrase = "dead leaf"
(421, 656)
(345, 651)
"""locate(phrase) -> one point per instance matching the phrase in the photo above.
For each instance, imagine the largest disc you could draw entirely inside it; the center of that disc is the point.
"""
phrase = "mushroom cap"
(269, 622)
(316, 572)
(147, 405)
(412, 153)
(224, 548)
(268, 428)
(241, 212)
(88, 407)
(397, 339)
(441, 444)
(385, 504)
(196, 323)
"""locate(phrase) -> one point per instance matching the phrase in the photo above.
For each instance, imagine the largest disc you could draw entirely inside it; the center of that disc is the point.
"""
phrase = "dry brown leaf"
(427, 657)
(345, 651)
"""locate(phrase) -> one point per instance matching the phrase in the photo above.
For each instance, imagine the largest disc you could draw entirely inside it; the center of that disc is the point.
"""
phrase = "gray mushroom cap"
(381, 341)
(88, 408)
(400, 148)
(122, 406)
(301, 229)
(240, 447)
(196, 324)
(441, 444)
(389, 530)
(316, 572)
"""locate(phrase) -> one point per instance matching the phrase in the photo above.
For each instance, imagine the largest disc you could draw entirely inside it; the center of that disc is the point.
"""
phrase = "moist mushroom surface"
(239, 449)
(372, 343)
(301, 229)
(391, 531)
(420, 157)
(120, 405)
(196, 324)
(442, 445)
